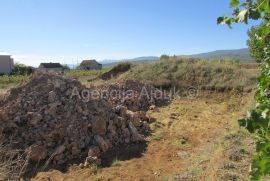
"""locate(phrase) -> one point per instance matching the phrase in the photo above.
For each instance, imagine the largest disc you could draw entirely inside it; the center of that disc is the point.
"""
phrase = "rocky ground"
(192, 139)
(55, 121)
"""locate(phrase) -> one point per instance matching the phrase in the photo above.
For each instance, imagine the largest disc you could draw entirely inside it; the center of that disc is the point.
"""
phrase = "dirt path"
(192, 140)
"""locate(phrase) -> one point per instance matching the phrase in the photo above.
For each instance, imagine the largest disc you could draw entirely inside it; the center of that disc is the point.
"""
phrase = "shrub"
(20, 69)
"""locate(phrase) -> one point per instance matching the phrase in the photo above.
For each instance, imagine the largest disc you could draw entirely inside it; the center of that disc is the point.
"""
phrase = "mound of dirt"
(51, 124)
(116, 71)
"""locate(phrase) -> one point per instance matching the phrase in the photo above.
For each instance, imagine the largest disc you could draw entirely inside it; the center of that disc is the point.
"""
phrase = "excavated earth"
(55, 120)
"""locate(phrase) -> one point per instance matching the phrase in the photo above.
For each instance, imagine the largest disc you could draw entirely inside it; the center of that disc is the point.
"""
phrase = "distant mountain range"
(240, 54)
(137, 59)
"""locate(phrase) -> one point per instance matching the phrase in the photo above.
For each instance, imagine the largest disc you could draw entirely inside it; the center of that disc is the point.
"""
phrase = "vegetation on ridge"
(185, 72)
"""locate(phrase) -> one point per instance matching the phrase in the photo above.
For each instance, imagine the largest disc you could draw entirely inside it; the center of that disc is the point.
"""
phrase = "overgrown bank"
(202, 74)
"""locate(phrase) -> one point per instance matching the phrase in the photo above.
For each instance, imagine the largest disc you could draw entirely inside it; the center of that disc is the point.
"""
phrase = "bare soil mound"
(116, 71)
(51, 124)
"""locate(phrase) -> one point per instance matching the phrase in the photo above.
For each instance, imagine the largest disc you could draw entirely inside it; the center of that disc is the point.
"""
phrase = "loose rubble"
(51, 126)
(133, 94)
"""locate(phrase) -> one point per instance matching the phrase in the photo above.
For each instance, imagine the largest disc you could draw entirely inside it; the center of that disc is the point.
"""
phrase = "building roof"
(89, 62)
(51, 65)
(5, 55)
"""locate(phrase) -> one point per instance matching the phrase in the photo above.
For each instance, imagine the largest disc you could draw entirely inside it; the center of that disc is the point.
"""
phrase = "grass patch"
(158, 136)
(86, 73)
(155, 125)
(7, 82)
(178, 143)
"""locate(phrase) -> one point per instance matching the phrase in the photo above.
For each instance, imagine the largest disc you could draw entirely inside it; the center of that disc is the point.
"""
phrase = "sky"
(68, 31)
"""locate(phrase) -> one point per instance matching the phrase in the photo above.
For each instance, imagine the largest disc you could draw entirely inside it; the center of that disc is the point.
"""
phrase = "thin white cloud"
(33, 60)
(4, 53)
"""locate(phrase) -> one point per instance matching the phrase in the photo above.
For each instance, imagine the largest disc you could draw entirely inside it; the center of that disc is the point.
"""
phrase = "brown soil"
(192, 139)
(116, 71)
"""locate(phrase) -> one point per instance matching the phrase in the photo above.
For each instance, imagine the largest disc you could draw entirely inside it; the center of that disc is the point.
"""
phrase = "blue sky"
(68, 31)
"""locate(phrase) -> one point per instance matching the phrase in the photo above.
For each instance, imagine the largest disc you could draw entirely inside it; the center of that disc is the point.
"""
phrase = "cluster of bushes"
(21, 69)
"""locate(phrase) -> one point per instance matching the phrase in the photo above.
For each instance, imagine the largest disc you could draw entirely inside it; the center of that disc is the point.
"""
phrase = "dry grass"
(203, 74)
(11, 163)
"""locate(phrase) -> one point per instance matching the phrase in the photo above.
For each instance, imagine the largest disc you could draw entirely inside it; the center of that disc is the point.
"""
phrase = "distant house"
(90, 65)
(51, 67)
(6, 64)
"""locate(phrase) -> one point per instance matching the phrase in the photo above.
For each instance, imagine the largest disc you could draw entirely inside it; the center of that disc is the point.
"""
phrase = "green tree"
(66, 67)
(258, 119)
(256, 45)
(21, 69)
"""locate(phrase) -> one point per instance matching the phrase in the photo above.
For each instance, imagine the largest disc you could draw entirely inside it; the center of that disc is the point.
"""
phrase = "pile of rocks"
(133, 94)
(45, 120)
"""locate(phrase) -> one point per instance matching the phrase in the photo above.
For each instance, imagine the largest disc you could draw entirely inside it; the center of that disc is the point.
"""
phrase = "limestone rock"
(101, 143)
(49, 113)
(37, 153)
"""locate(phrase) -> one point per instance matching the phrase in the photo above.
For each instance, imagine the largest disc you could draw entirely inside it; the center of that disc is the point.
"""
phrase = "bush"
(20, 69)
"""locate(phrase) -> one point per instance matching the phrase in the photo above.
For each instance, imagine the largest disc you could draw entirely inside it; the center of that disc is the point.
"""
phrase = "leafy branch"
(258, 119)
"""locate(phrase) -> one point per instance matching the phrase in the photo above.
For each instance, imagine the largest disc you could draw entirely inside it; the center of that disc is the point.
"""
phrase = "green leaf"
(234, 3)
(264, 5)
(243, 16)
(258, 120)
(254, 14)
(236, 11)
(220, 20)
(229, 22)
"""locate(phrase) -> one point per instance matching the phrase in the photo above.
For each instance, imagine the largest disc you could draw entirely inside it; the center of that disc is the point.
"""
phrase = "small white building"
(6, 64)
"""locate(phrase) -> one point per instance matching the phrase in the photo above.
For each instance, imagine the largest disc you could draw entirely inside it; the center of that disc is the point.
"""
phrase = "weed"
(158, 136)
(116, 162)
(156, 125)
(178, 143)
